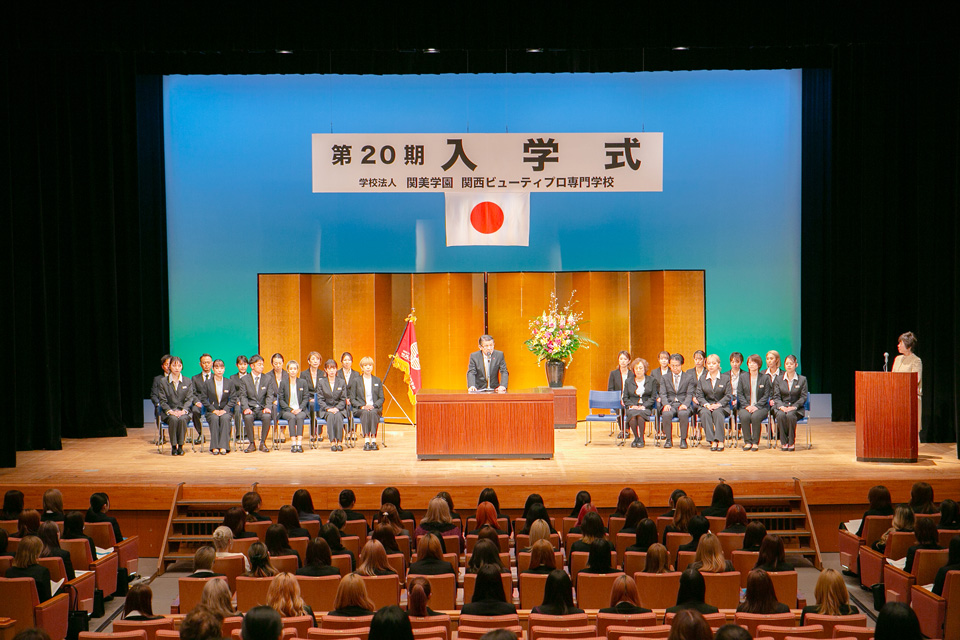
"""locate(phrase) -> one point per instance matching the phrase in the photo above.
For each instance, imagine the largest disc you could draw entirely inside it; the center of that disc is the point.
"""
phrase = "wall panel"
(279, 302)
(513, 300)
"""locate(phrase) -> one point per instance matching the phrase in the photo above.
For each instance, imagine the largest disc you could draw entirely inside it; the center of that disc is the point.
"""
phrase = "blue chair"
(277, 423)
(608, 400)
(356, 424)
(805, 420)
(733, 432)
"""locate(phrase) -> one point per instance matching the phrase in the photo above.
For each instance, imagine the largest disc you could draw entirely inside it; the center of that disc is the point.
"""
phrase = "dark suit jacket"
(67, 563)
(351, 612)
(155, 389)
(238, 388)
(650, 391)
(845, 610)
(331, 397)
(226, 402)
(348, 385)
(912, 553)
(615, 382)
(706, 393)
(256, 397)
(50, 516)
(360, 394)
(676, 397)
(198, 384)
(204, 573)
(318, 571)
(430, 567)
(311, 383)
(764, 390)
(488, 608)
(625, 609)
(942, 577)
(702, 607)
(498, 371)
(303, 395)
(174, 397)
(101, 517)
(790, 395)
(39, 573)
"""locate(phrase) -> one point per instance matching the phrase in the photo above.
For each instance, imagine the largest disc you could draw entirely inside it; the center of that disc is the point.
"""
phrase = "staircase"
(788, 517)
(190, 526)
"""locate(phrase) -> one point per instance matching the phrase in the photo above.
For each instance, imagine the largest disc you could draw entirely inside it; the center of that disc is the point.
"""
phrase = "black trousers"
(682, 415)
(265, 419)
(219, 430)
(334, 424)
(787, 424)
(295, 422)
(178, 428)
(712, 422)
(369, 421)
(751, 424)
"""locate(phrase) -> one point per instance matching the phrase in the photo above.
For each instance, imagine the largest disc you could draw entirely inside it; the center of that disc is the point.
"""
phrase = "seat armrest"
(129, 552)
(85, 584)
(931, 610)
(105, 570)
(871, 566)
(51, 616)
(897, 583)
(849, 550)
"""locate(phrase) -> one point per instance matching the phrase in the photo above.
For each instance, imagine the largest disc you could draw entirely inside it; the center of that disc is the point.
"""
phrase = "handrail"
(818, 563)
(177, 494)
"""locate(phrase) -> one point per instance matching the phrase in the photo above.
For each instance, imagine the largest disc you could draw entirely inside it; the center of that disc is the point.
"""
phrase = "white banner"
(468, 162)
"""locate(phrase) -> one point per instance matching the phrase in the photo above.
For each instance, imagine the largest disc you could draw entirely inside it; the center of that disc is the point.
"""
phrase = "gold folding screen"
(641, 311)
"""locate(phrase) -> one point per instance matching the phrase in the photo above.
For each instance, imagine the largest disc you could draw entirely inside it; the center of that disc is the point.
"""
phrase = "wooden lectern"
(886, 416)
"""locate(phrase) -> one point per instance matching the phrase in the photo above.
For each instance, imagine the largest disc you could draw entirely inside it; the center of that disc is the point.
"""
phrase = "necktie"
(676, 382)
(486, 369)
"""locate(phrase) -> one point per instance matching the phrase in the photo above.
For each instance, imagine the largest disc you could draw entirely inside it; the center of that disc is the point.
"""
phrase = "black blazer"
(50, 516)
(498, 371)
(347, 386)
(351, 612)
(790, 395)
(625, 609)
(198, 384)
(942, 577)
(764, 390)
(430, 567)
(256, 396)
(488, 608)
(175, 397)
(303, 395)
(205, 573)
(615, 382)
(155, 389)
(238, 388)
(39, 573)
(331, 397)
(67, 564)
(359, 391)
(708, 394)
(650, 391)
(311, 383)
(226, 402)
(100, 517)
(676, 397)
(702, 607)
(318, 571)
(912, 553)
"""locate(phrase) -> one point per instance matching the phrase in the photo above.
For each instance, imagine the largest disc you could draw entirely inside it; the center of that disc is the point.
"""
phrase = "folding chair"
(608, 400)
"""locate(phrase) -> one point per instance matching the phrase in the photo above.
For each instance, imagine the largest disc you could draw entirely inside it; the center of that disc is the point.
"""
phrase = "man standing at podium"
(487, 368)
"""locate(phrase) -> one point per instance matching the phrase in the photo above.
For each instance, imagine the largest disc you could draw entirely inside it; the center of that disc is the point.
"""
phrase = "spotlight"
(681, 48)
(430, 50)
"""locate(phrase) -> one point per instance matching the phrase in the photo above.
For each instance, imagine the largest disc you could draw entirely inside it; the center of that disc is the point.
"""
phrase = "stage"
(141, 482)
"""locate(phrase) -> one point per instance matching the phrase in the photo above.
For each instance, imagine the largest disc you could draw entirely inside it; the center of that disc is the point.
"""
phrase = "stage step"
(788, 517)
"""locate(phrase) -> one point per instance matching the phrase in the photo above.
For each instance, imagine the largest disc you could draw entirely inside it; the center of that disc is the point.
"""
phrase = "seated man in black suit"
(256, 401)
(487, 368)
(676, 396)
(99, 505)
(199, 382)
(203, 563)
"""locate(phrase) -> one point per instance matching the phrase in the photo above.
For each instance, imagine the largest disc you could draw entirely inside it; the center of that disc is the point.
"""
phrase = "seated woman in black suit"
(331, 403)
(709, 558)
(219, 398)
(880, 505)
(542, 558)
(789, 397)
(430, 560)
(383, 533)
(635, 513)
(331, 534)
(284, 596)
(760, 595)
(927, 538)
(12, 505)
(646, 536)
(28, 524)
(318, 562)
(693, 590)
(439, 522)
(722, 500)
(949, 516)
(953, 564)
(592, 530)
(487, 515)
(25, 565)
(418, 596)
(832, 597)
(73, 530)
(278, 543)
(303, 502)
(139, 603)
(290, 519)
(736, 520)
(583, 497)
(367, 403)
(484, 553)
(373, 560)
(697, 526)
(176, 403)
(488, 596)
(624, 598)
(639, 396)
(557, 595)
(352, 599)
(772, 555)
(52, 506)
(599, 559)
(684, 511)
(619, 375)
(260, 565)
(753, 399)
(293, 401)
(50, 536)
(753, 536)
(235, 519)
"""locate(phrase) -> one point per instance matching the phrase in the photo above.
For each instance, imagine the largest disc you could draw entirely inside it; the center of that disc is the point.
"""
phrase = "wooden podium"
(886, 416)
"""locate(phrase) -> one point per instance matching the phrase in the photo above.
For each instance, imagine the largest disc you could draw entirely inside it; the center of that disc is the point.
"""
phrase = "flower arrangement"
(555, 334)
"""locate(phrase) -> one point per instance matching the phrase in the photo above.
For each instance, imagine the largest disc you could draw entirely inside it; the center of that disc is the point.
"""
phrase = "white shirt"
(713, 381)
(753, 388)
(734, 381)
(219, 385)
(486, 368)
(368, 390)
(640, 385)
(294, 404)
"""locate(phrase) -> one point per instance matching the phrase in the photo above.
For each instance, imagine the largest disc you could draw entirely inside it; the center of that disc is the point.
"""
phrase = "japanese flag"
(488, 218)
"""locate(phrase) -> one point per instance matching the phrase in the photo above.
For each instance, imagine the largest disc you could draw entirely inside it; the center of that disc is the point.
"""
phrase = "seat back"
(231, 567)
(300, 624)
(874, 527)
(567, 523)
(383, 590)
(358, 529)
(352, 543)
(723, 589)
(570, 539)
(403, 543)
(102, 534)
(847, 631)
(717, 524)
(523, 541)
(259, 528)
(191, 590)
(443, 591)
(251, 592)
(6, 562)
(662, 522)
(730, 542)
(946, 535)
(545, 621)
(926, 563)
(829, 622)
(285, 564)
(750, 621)
(657, 590)
(300, 546)
(58, 571)
(607, 620)
(634, 561)
(713, 619)
(11, 526)
(616, 632)
(397, 563)
(490, 622)
(319, 592)
(242, 545)
(345, 622)
(523, 561)
(684, 558)
(79, 551)
(781, 633)
(312, 527)
(674, 540)
(898, 543)
(614, 524)
(785, 587)
(470, 581)
(138, 634)
(18, 597)
(428, 622)
(623, 540)
(343, 563)
(339, 634)
(580, 632)
(578, 561)
(150, 626)
(593, 590)
(531, 589)
(600, 400)
(475, 633)
(744, 561)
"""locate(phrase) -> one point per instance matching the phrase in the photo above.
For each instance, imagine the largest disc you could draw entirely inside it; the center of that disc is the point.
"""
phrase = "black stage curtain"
(80, 263)
(880, 229)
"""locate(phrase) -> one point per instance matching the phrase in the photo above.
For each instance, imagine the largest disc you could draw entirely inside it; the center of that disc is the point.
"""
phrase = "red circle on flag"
(487, 217)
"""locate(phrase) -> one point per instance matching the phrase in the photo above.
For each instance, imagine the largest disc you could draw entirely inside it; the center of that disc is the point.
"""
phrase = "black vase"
(555, 369)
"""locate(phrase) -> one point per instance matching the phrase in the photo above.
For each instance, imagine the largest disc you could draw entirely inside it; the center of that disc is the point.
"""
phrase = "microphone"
(886, 355)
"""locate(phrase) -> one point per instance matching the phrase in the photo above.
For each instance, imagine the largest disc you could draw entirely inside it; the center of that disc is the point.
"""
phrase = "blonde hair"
(352, 593)
(28, 552)
(365, 360)
(776, 354)
(437, 511)
(284, 596)
(373, 558)
(657, 559)
(222, 537)
(540, 530)
(216, 597)
(831, 593)
(710, 554)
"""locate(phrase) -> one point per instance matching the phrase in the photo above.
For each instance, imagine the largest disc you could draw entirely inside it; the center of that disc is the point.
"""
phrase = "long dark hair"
(949, 515)
(537, 512)
(318, 553)
(599, 557)
(646, 533)
(760, 595)
(489, 585)
(73, 525)
(235, 519)
(772, 552)
(302, 501)
(532, 499)
(627, 495)
(558, 593)
(754, 534)
(489, 495)
(288, 517)
(49, 533)
(583, 497)
(722, 496)
(276, 539)
(635, 513)
(693, 588)
(484, 553)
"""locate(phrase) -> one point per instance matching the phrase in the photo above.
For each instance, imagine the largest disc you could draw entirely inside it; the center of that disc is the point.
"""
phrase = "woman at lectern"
(907, 362)
(331, 401)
